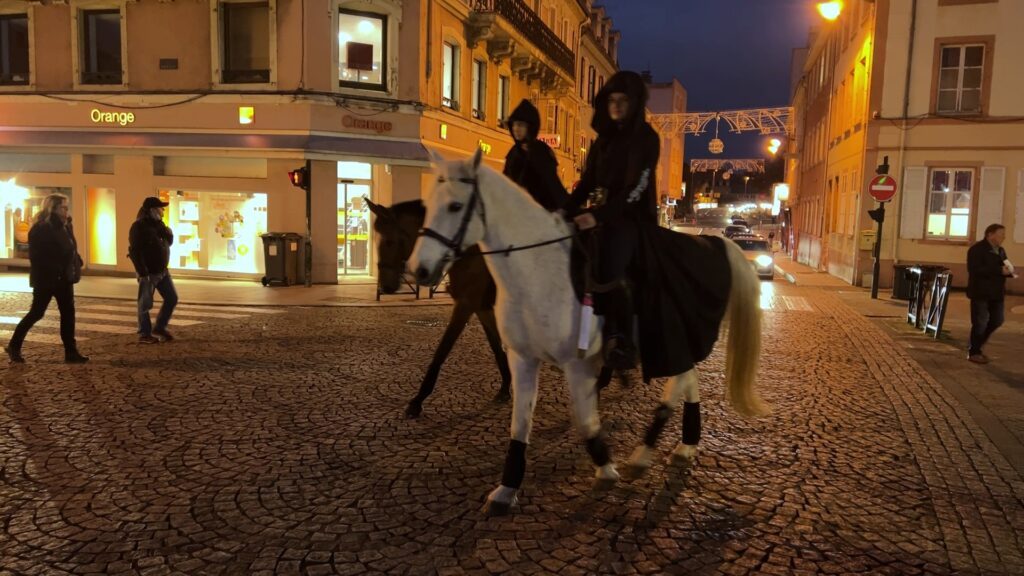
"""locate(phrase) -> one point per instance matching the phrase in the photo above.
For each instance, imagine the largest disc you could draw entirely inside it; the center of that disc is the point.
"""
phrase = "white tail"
(743, 349)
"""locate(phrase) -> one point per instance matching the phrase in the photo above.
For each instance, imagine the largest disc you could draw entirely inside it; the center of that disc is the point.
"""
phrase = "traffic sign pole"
(882, 189)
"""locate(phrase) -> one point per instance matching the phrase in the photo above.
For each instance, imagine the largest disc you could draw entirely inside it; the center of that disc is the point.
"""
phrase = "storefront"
(216, 231)
(355, 231)
(20, 205)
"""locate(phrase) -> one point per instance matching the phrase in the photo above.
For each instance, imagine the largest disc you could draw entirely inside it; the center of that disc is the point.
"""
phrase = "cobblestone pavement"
(276, 444)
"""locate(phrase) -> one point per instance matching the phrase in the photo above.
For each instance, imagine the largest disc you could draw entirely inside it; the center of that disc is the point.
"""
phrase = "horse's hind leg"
(456, 324)
(687, 449)
(677, 387)
(490, 324)
(524, 399)
(583, 395)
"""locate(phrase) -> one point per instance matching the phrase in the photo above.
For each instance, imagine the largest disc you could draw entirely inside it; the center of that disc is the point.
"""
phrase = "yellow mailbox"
(867, 239)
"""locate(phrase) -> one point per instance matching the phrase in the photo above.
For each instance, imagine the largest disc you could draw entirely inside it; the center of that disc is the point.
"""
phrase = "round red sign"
(882, 187)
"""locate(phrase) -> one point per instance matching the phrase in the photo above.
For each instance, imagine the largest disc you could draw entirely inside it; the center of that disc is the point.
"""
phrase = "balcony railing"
(523, 19)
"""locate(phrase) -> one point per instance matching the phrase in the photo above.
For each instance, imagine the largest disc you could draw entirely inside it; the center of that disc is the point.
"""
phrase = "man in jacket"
(149, 247)
(987, 269)
(530, 162)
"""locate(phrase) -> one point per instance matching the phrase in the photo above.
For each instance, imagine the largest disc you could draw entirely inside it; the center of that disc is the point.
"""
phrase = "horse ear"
(378, 210)
(477, 158)
(436, 159)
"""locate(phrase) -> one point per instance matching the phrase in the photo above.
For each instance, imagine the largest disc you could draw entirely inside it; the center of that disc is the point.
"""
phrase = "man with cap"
(149, 247)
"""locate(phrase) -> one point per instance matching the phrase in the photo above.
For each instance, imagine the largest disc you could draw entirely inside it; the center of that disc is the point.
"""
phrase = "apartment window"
(362, 50)
(101, 47)
(14, 49)
(245, 34)
(503, 99)
(960, 76)
(949, 203)
(600, 82)
(479, 88)
(450, 76)
(582, 76)
(591, 85)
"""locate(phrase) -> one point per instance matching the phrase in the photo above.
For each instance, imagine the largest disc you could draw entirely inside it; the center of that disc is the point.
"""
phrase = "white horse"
(539, 315)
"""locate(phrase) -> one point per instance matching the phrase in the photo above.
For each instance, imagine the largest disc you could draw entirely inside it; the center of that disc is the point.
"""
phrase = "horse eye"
(455, 207)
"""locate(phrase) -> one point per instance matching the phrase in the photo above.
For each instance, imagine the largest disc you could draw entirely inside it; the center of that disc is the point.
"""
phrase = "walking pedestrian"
(987, 271)
(55, 268)
(149, 248)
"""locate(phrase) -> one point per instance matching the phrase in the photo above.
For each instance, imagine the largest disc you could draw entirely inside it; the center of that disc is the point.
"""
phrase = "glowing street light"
(830, 10)
(773, 146)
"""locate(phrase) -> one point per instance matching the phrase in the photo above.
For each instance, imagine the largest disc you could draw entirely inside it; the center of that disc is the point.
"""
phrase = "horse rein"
(454, 245)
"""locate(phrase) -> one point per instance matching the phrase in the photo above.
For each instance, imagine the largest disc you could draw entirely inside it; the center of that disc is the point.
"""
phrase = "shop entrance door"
(354, 229)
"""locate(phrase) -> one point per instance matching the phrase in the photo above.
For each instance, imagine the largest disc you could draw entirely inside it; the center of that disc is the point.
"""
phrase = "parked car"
(735, 230)
(759, 254)
(737, 221)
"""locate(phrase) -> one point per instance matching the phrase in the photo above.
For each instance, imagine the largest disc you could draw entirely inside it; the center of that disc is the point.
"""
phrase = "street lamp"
(773, 146)
(746, 180)
(830, 10)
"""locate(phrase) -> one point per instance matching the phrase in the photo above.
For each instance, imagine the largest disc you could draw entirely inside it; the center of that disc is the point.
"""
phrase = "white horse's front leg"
(524, 398)
(682, 385)
(583, 395)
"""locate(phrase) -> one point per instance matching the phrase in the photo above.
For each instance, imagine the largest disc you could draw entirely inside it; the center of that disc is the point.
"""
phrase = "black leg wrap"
(661, 416)
(515, 465)
(598, 450)
(691, 423)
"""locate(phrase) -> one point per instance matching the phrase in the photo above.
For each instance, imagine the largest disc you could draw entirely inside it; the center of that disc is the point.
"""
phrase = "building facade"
(936, 90)
(669, 98)
(105, 102)
(598, 61)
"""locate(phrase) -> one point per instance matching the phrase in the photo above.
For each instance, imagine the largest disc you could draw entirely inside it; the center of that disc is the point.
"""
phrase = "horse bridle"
(454, 244)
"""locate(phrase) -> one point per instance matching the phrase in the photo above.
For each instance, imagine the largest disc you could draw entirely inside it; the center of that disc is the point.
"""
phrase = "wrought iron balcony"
(527, 23)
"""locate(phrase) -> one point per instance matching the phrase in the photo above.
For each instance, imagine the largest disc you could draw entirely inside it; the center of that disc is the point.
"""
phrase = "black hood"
(630, 84)
(526, 112)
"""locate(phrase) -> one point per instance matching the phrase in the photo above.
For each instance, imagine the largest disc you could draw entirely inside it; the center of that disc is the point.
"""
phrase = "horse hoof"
(493, 509)
(502, 397)
(413, 410)
(684, 454)
(640, 461)
(606, 477)
(500, 501)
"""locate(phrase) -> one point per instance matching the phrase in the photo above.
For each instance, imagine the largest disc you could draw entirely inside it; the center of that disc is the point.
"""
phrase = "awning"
(395, 150)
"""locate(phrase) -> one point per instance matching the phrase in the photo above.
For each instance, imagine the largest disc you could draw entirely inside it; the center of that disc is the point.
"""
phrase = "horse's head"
(453, 220)
(396, 229)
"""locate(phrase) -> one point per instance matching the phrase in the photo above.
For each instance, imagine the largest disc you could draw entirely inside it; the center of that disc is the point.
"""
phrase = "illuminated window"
(949, 203)
(246, 38)
(503, 99)
(14, 49)
(362, 50)
(450, 76)
(18, 207)
(101, 211)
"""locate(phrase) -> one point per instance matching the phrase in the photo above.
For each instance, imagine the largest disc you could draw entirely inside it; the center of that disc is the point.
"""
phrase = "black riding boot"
(619, 349)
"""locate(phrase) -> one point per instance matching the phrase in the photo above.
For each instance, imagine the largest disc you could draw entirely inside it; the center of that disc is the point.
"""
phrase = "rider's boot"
(619, 349)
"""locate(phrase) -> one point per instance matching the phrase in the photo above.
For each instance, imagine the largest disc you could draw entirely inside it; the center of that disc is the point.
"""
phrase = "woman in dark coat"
(618, 185)
(530, 162)
(55, 268)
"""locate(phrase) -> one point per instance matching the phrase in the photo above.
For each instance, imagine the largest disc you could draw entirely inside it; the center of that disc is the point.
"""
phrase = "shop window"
(503, 99)
(217, 231)
(961, 70)
(245, 35)
(101, 47)
(450, 76)
(20, 204)
(362, 50)
(100, 208)
(479, 88)
(949, 203)
(14, 49)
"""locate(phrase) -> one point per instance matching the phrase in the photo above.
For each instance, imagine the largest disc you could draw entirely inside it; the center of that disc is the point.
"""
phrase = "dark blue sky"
(729, 54)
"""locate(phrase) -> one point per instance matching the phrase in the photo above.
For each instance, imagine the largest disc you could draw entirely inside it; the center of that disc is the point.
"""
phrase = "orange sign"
(378, 126)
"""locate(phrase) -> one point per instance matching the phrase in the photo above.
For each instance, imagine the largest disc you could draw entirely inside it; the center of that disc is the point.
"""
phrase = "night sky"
(728, 54)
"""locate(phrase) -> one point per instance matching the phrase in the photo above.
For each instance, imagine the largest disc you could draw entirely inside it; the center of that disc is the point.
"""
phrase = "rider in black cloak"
(530, 162)
(678, 283)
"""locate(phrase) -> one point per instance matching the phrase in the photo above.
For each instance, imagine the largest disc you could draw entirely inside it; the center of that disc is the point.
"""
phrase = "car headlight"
(764, 261)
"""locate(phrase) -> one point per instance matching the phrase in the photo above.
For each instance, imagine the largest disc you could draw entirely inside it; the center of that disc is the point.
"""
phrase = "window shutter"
(990, 199)
(1018, 227)
(915, 185)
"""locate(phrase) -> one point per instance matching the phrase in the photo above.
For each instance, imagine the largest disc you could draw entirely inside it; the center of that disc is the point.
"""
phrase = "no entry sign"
(882, 188)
